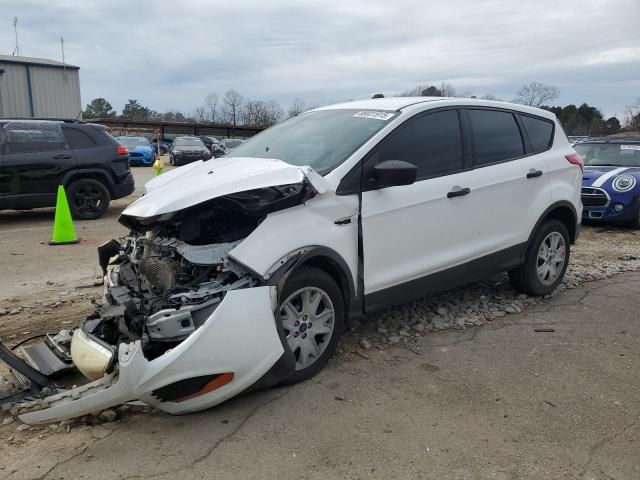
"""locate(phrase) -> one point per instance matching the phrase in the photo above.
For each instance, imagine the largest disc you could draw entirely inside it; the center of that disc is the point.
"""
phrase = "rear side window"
(27, 137)
(539, 132)
(496, 136)
(77, 139)
(433, 143)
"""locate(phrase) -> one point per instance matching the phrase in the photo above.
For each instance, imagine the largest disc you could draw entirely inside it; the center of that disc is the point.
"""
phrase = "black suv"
(38, 155)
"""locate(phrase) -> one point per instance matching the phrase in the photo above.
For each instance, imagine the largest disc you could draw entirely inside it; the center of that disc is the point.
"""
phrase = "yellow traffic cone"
(158, 166)
(63, 231)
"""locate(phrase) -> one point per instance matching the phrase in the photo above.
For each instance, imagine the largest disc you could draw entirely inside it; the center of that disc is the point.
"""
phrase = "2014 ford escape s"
(242, 272)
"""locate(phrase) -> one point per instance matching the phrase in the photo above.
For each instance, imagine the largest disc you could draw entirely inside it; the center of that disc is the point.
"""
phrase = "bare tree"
(632, 116)
(232, 106)
(296, 108)
(447, 90)
(489, 96)
(212, 106)
(275, 112)
(536, 94)
(200, 114)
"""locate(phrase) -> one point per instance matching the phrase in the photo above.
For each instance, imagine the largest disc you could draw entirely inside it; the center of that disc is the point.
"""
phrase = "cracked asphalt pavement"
(500, 401)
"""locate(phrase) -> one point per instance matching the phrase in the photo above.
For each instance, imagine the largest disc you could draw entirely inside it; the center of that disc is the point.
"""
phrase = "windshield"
(322, 139)
(609, 154)
(188, 142)
(133, 142)
(229, 143)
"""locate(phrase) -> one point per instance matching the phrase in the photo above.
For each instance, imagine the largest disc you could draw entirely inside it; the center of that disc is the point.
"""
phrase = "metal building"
(38, 87)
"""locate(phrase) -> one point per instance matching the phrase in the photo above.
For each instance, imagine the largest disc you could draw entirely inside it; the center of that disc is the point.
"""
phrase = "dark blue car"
(140, 150)
(611, 181)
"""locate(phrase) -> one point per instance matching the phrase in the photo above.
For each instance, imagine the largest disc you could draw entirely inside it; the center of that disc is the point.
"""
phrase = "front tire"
(312, 315)
(88, 199)
(546, 260)
(635, 223)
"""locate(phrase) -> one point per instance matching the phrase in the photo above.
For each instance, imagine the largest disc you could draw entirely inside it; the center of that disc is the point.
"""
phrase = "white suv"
(243, 271)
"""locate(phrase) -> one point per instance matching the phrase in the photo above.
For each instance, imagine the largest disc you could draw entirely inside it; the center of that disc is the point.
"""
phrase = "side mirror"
(393, 173)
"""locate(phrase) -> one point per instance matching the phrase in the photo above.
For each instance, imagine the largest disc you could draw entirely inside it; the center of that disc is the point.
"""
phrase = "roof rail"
(48, 119)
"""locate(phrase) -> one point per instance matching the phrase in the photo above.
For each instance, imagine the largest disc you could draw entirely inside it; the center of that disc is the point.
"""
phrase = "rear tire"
(312, 315)
(546, 260)
(88, 199)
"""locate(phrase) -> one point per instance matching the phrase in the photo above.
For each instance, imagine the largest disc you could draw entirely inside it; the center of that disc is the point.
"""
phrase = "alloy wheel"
(308, 319)
(551, 258)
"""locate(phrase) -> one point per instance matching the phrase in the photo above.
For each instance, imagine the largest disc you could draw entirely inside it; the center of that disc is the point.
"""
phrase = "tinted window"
(539, 132)
(496, 135)
(25, 137)
(77, 139)
(618, 155)
(433, 143)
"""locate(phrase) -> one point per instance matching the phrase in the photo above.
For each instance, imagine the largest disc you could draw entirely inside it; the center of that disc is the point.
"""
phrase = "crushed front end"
(182, 327)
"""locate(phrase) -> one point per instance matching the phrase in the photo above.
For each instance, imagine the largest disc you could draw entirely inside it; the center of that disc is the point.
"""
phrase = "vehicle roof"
(402, 103)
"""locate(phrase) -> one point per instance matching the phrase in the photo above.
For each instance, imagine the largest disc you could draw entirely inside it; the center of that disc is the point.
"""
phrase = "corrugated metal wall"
(55, 91)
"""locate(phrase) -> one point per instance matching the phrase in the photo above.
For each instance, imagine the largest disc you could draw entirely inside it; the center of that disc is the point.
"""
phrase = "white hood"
(201, 181)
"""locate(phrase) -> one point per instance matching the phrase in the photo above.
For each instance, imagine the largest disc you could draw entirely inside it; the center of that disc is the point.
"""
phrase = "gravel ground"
(599, 253)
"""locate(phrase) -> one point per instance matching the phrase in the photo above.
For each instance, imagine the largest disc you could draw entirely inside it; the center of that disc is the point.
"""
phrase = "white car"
(242, 272)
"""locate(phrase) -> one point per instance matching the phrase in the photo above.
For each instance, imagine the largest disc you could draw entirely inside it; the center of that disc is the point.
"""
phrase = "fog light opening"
(618, 207)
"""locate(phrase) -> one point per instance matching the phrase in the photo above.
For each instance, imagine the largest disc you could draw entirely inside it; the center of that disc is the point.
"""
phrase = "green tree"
(99, 108)
(134, 111)
(612, 125)
(378, 95)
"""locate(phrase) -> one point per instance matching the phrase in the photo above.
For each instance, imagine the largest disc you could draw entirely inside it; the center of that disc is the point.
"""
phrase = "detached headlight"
(624, 183)
(92, 359)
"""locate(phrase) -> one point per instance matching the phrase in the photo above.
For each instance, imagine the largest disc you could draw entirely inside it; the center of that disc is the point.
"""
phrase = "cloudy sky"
(170, 54)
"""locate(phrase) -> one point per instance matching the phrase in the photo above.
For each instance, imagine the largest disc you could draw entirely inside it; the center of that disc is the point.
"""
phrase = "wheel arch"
(564, 212)
(94, 174)
(325, 259)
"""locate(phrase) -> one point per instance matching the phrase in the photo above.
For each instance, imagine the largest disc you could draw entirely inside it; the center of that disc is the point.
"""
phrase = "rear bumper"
(125, 188)
(239, 340)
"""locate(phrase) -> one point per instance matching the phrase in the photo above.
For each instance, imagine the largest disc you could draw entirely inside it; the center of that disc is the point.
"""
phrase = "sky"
(171, 54)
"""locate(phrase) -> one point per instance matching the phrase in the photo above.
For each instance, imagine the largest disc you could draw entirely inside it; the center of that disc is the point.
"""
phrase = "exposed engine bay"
(172, 271)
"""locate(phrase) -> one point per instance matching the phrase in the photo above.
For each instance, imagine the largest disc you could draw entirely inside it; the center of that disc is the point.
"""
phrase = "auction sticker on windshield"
(375, 115)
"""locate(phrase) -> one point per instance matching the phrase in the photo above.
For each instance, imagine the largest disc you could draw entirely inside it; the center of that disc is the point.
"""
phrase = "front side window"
(432, 143)
(496, 136)
(322, 139)
(539, 131)
(26, 137)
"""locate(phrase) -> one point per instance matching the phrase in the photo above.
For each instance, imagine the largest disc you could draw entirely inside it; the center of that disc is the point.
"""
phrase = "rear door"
(509, 186)
(36, 158)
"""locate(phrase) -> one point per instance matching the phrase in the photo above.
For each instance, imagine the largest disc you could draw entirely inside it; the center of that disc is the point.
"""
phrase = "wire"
(29, 339)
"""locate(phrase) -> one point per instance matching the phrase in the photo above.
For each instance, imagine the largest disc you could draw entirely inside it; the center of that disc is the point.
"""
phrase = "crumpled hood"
(201, 181)
(597, 175)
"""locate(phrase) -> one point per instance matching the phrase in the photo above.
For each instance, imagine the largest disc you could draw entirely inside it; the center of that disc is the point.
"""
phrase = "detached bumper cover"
(239, 338)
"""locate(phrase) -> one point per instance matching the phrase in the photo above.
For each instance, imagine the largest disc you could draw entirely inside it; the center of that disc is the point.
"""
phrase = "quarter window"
(433, 143)
(77, 139)
(496, 135)
(539, 132)
(25, 137)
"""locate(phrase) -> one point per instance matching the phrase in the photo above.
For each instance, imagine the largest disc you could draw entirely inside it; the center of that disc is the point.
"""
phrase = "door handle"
(534, 173)
(458, 192)
(62, 157)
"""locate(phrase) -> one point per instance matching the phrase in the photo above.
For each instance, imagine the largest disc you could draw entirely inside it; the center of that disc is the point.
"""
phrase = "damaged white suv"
(242, 272)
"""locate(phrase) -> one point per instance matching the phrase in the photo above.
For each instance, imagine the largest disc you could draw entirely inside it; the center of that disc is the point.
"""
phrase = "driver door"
(413, 232)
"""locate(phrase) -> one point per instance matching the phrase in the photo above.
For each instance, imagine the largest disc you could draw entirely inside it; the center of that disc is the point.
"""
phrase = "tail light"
(122, 150)
(575, 159)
